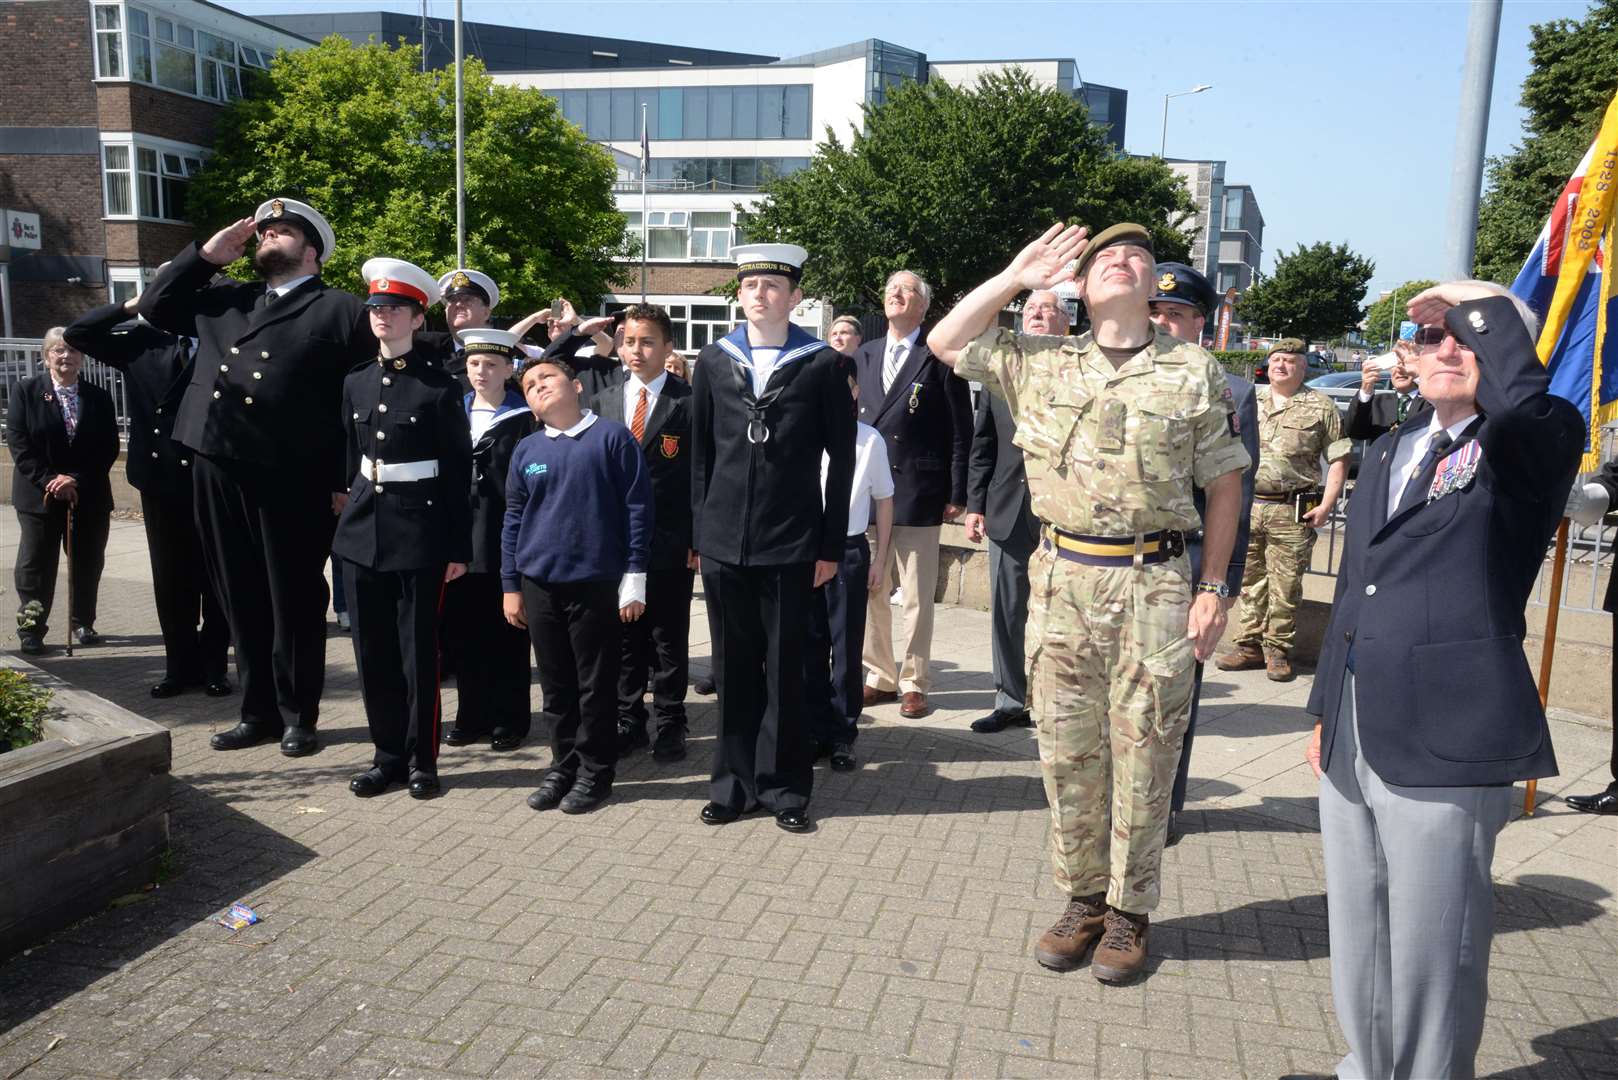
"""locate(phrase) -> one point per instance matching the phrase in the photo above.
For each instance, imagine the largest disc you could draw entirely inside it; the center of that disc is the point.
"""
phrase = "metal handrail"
(20, 359)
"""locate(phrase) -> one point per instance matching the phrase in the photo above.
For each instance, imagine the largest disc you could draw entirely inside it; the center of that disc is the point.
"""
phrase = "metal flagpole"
(460, 146)
(645, 166)
(1471, 132)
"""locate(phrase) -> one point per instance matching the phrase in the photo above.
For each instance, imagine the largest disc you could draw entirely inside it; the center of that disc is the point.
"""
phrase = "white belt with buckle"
(397, 472)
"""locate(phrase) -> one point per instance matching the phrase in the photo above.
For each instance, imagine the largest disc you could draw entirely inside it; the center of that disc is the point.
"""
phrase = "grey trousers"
(1008, 599)
(1411, 913)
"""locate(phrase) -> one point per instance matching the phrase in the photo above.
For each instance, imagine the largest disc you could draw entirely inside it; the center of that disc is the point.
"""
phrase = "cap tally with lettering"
(784, 259)
(484, 339)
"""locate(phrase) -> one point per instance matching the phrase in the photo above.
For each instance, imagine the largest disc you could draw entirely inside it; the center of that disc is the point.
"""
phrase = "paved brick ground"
(471, 936)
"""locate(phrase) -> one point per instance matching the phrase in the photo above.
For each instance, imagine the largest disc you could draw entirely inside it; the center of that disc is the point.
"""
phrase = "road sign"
(21, 230)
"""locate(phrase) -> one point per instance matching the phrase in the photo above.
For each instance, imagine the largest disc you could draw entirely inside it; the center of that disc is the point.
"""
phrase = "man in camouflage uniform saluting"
(1116, 427)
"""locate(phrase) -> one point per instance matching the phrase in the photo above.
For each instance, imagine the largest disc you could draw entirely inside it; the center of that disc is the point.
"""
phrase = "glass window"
(165, 30)
(667, 243)
(710, 234)
(176, 66)
(119, 192)
(185, 36)
(1233, 209)
(670, 114)
(744, 173)
(573, 107)
(147, 182)
(696, 112)
(175, 182)
(771, 112)
(797, 112)
(744, 112)
(109, 42)
(625, 117)
(140, 46)
(720, 100)
(598, 114)
(123, 290)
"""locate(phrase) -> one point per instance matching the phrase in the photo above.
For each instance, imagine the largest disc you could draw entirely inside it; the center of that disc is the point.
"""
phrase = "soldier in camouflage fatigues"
(1113, 444)
(1296, 427)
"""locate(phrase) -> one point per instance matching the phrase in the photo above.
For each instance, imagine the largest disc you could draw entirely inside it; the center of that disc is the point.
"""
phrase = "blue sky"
(1341, 115)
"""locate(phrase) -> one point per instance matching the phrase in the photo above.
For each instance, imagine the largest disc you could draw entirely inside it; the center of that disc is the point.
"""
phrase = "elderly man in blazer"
(924, 415)
(1428, 711)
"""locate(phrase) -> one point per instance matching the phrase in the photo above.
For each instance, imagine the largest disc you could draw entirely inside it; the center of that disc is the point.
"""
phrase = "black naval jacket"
(491, 459)
(40, 449)
(268, 379)
(156, 370)
(443, 348)
(925, 419)
(1431, 599)
(402, 410)
(667, 446)
(758, 502)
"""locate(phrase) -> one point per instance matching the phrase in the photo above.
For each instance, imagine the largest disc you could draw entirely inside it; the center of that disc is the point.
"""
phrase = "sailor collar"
(799, 344)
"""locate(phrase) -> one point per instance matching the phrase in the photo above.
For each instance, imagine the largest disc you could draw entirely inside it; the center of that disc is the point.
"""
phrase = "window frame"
(187, 161)
(185, 37)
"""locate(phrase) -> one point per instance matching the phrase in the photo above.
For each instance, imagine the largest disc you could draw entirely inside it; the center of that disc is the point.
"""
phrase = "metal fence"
(21, 358)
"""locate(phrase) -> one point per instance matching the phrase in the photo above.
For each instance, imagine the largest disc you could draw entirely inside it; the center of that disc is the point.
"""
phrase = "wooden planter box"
(84, 814)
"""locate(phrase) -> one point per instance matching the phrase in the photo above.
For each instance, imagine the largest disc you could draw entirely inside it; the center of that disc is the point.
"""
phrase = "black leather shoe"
(168, 688)
(794, 820)
(242, 736)
(842, 758)
(371, 782)
(459, 736)
(87, 635)
(719, 814)
(1605, 802)
(299, 742)
(551, 791)
(999, 721)
(504, 740)
(425, 786)
(585, 797)
(669, 744)
(704, 685)
(31, 644)
(632, 737)
(218, 688)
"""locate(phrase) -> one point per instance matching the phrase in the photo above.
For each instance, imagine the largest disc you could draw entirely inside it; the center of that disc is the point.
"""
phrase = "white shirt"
(764, 359)
(632, 389)
(480, 418)
(1411, 449)
(287, 286)
(872, 477)
(906, 346)
(576, 430)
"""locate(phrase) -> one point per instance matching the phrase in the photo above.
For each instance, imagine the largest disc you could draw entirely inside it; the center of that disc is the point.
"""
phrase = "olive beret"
(1122, 233)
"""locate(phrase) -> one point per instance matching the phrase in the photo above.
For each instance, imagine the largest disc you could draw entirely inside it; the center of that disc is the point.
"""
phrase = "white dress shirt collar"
(287, 286)
(632, 386)
(909, 341)
(576, 430)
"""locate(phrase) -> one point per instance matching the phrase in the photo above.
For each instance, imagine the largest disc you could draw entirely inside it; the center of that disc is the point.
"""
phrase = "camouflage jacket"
(1292, 437)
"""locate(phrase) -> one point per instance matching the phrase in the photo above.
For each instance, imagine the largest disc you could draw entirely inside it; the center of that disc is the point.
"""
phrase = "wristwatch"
(1217, 588)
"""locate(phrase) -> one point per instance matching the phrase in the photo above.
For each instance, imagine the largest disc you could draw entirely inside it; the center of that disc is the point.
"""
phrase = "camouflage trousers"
(1278, 551)
(1109, 680)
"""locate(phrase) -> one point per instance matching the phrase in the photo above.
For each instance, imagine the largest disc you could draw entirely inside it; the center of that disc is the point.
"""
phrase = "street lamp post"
(1162, 150)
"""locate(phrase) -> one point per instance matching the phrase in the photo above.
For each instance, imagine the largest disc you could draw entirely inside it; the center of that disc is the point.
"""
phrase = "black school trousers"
(577, 648)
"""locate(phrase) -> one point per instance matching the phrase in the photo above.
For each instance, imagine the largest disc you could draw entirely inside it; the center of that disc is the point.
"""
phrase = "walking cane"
(68, 544)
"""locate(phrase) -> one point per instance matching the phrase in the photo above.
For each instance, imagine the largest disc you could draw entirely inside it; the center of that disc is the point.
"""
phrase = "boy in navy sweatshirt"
(574, 548)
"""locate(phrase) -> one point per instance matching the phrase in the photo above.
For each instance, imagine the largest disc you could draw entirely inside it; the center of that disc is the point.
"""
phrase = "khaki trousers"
(913, 553)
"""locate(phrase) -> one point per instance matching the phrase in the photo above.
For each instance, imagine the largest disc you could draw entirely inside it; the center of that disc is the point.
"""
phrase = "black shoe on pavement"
(719, 814)
(551, 791)
(670, 743)
(168, 688)
(704, 685)
(504, 740)
(632, 737)
(242, 736)
(842, 757)
(794, 820)
(585, 797)
(999, 721)
(218, 688)
(370, 783)
(1604, 802)
(31, 644)
(299, 742)
(87, 635)
(425, 786)
(459, 736)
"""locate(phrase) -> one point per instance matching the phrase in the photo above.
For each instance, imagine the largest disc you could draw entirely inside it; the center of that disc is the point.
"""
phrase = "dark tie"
(1436, 449)
(1404, 408)
(265, 301)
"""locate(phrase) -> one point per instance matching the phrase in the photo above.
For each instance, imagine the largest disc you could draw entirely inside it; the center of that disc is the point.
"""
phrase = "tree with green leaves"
(1389, 311)
(1573, 78)
(1314, 293)
(952, 181)
(364, 136)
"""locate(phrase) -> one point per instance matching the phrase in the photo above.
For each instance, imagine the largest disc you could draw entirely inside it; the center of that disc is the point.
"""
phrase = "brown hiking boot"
(1241, 658)
(1122, 952)
(1064, 946)
(1277, 668)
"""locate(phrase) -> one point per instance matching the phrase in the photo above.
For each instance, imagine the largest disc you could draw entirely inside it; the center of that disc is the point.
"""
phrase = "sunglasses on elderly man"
(1429, 338)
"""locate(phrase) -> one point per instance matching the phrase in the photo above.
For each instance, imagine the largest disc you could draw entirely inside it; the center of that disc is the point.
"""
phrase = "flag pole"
(1547, 655)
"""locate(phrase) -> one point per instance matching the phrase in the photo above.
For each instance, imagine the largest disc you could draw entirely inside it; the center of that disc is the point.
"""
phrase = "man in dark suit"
(656, 407)
(63, 435)
(924, 415)
(1587, 505)
(1371, 414)
(263, 416)
(1446, 535)
(997, 508)
(157, 369)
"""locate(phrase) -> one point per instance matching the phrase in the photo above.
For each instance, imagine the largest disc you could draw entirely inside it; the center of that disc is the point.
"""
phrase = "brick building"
(108, 114)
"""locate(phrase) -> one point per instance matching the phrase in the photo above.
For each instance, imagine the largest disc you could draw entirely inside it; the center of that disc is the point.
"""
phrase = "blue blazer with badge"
(925, 419)
(1430, 600)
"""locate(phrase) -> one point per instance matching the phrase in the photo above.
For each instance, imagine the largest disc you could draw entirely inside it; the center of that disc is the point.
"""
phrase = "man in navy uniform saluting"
(767, 400)
(1428, 711)
(263, 416)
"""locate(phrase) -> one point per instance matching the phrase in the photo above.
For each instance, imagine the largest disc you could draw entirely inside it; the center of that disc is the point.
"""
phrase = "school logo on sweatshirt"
(535, 468)
(670, 446)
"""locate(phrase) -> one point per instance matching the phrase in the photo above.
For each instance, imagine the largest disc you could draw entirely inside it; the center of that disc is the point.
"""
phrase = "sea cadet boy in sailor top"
(406, 529)
(490, 657)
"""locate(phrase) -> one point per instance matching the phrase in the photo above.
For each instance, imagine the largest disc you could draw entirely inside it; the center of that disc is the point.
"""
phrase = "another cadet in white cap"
(768, 400)
(406, 530)
(260, 419)
(470, 297)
